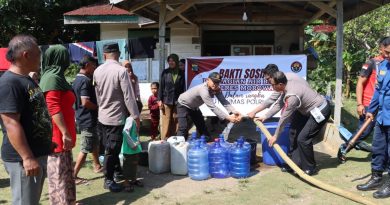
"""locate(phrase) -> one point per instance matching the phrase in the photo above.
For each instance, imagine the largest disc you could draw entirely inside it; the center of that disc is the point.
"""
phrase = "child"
(154, 110)
(130, 149)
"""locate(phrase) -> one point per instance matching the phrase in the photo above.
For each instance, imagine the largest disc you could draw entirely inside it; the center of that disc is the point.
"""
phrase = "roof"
(101, 14)
(98, 10)
(259, 12)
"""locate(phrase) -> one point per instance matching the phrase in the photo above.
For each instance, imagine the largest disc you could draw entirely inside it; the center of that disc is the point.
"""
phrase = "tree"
(41, 18)
(361, 37)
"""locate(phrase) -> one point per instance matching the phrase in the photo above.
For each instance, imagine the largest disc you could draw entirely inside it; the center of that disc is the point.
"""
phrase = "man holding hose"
(306, 110)
(192, 99)
(381, 141)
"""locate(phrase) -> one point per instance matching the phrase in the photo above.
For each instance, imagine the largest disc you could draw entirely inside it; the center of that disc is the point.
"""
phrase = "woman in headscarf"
(135, 83)
(171, 86)
(60, 99)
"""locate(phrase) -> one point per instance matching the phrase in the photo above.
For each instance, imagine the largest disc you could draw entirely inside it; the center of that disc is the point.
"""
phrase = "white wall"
(285, 36)
(113, 31)
(145, 92)
(181, 40)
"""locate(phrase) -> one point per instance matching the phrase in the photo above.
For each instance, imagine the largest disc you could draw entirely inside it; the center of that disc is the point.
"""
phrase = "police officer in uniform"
(381, 141)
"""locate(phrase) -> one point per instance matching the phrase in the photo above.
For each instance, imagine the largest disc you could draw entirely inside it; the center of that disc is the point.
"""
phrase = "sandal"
(137, 183)
(98, 170)
(79, 181)
(128, 188)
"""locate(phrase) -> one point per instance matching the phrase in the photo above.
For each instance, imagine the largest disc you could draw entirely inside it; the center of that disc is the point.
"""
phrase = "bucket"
(253, 144)
(270, 156)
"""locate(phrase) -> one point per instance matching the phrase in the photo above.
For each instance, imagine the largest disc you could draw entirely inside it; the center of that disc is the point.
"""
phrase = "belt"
(323, 105)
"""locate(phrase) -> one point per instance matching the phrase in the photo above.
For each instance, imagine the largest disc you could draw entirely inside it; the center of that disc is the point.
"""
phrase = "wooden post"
(339, 62)
(161, 35)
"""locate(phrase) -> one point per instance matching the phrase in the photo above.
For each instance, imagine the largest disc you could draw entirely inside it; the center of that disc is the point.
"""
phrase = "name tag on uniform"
(382, 72)
(317, 114)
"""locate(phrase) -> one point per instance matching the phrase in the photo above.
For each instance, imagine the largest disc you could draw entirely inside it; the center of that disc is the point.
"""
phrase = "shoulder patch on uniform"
(365, 66)
(382, 72)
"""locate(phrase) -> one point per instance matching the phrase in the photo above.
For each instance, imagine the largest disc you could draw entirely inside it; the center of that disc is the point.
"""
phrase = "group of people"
(38, 118)
(39, 126)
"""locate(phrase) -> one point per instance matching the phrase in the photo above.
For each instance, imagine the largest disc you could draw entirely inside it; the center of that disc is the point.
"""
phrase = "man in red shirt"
(364, 92)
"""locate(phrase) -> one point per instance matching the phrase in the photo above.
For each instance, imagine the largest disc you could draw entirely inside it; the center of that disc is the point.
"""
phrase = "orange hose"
(316, 182)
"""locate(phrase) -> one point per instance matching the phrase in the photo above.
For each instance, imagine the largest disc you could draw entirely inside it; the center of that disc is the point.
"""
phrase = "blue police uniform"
(381, 102)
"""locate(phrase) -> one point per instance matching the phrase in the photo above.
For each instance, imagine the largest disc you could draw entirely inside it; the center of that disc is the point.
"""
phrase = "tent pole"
(339, 62)
(161, 35)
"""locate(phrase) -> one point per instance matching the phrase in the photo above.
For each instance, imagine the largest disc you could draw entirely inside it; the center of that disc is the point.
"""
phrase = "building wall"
(113, 31)
(284, 35)
(182, 37)
(181, 41)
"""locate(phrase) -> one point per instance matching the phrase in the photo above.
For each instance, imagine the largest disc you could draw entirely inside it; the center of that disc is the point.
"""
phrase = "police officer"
(365, 88)
(381, 142)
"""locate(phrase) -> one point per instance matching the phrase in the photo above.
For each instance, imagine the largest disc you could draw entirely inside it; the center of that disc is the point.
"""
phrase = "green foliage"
(71, 72)
(41, 18)
(325, 46)
(361, 36)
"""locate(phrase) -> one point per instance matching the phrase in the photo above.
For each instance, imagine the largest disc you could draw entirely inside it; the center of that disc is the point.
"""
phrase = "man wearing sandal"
(86, 116)
(115, 99)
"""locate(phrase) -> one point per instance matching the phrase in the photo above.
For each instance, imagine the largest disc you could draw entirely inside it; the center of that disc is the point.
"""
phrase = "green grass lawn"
(269, 186)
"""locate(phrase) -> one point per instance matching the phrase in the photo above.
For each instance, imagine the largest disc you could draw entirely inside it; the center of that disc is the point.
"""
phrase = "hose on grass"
(312, 180)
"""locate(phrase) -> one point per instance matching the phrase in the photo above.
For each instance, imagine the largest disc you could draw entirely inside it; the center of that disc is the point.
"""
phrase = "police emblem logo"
(296, 66)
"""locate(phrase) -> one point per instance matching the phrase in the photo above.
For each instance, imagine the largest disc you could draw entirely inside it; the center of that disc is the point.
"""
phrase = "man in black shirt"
(27, 125)
(86, 115)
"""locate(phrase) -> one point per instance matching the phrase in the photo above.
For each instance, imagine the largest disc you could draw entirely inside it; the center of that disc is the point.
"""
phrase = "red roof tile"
(95, 10)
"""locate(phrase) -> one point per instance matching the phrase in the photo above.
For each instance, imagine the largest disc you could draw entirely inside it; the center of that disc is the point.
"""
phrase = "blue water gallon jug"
(270, 156)
(225, 145)
(252, 146)
(198, 162)
(203, 142)
(193, 135)
(192, 140)
(239, 160)
(223, 142)
(218, 163)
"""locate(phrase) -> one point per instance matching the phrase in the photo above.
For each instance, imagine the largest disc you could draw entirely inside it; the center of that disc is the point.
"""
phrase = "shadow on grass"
(326, 161)
(151, 181)
(4, 183)
(109, 198)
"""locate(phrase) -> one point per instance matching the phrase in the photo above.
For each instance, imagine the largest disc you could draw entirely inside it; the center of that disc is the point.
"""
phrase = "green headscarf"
(175, 71)
(55, 62)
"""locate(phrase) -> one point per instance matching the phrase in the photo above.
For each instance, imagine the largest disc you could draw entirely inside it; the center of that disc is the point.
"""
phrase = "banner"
(243, 82)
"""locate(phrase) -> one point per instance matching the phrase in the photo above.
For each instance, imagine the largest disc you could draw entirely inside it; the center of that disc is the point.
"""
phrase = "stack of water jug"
(170, 155)
(219, 160)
